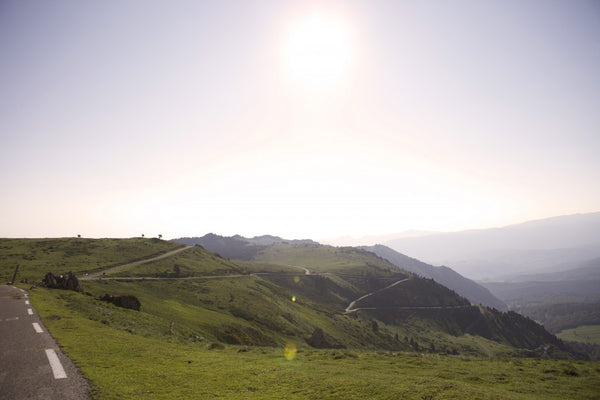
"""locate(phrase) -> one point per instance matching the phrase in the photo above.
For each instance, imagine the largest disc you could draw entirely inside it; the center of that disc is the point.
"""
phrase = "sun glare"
(318, 51)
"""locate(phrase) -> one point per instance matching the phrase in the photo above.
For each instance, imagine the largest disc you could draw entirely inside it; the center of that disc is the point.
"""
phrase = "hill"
(343, 275)
(443, 275)
(237, 247)
(210, 318)
(287, 291)
(530, 247)
(36, 257)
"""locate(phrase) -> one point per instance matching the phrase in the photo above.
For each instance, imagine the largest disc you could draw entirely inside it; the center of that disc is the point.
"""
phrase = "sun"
(318, 51)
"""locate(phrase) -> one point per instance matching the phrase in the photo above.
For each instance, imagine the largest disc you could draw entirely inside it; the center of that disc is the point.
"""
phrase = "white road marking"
(12, 319)
(22, 290)
(37, 327)
(57, 368)
(29, 311)
(27, 302)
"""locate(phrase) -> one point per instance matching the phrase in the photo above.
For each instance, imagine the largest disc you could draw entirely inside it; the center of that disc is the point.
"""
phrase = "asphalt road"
(26, 353)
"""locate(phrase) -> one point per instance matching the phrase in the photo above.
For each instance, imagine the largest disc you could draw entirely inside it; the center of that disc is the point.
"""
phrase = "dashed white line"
(57, 368)
(12, 319)
(29, 311)
(37, 327)
(27, 302)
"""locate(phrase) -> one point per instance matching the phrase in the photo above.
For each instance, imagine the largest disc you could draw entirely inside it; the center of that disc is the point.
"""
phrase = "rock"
(125, 301)
(66, 282)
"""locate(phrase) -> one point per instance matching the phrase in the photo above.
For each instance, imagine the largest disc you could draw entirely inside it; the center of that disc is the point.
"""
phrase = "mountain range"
(495, 254)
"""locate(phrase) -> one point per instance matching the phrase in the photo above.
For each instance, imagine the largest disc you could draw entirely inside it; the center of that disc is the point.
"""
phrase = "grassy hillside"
(210, 319)
(584, 334)
(133, 355)
(36, 257)
(317, 258)
(196, 261)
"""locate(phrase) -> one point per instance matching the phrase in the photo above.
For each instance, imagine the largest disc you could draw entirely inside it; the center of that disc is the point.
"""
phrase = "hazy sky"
(299, 119)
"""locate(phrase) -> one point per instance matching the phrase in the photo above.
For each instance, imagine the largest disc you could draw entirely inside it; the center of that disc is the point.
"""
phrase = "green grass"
(197, 261)
(151, 364)
(345, 260)
(174, 347)
(36, 257)
(584, 334)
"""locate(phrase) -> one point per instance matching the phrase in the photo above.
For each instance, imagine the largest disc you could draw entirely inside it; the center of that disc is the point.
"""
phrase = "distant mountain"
(370, 240)
(238, 247)
(443, 275)
(588, 270)
(577, 285)
(531, 247)
(519, 294)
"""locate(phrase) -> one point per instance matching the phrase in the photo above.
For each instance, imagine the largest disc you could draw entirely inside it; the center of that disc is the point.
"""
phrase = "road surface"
(165, 255)
(31, 364)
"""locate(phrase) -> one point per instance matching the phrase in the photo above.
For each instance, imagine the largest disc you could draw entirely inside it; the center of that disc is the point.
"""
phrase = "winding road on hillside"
(131, 264)
(351, 308)
(32, 365)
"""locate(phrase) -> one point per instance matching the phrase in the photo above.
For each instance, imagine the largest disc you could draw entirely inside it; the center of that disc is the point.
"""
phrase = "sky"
(303, 119)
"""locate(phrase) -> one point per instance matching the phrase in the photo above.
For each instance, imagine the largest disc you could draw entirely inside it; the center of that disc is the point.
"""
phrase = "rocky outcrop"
(125, 301)
(66, 282)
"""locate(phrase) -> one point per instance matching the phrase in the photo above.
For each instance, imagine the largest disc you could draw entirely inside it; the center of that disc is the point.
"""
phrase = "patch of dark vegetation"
(570, 370)
(321, 340)
(243, 335)
(558, 317)
(124, 301)
(215, 346)
(590, 349)
(66, 282)
(509, 328)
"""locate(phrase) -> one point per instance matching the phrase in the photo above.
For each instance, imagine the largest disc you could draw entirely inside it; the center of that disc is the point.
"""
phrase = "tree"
(159, 236)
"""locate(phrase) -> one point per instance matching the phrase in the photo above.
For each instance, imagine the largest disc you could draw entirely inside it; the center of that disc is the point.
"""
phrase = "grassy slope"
(584, 334)
(316, 258)
(161, 352)
(197, 261)
(154, 365)
(36, 257)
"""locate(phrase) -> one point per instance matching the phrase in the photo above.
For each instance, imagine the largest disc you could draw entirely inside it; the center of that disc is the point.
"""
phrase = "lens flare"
(296, 279)
(289, 351)
(294, 298)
